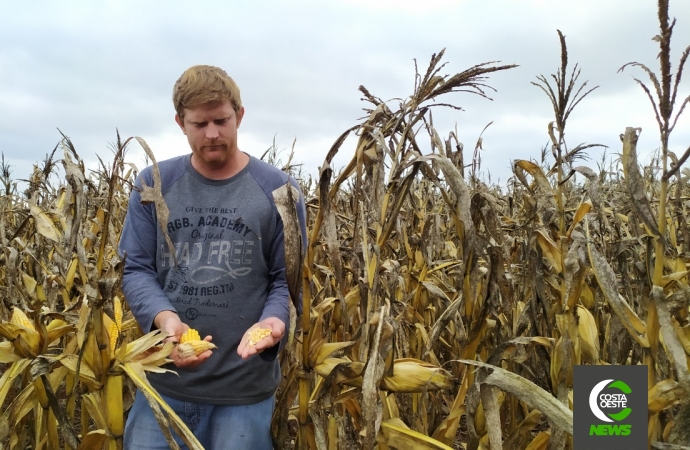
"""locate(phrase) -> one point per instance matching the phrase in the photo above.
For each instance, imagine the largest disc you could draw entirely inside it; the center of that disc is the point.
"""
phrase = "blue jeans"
(217, 427)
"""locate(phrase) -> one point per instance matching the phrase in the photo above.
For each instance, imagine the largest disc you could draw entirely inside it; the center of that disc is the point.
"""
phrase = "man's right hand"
(170, 323)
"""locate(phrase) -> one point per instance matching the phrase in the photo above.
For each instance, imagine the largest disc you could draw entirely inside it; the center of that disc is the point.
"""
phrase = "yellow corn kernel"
(190, 335)
(117, 309)
(113, 334)
(197, 347)
(258, 334)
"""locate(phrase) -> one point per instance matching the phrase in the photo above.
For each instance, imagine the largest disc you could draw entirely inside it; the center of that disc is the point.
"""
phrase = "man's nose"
(211, 131)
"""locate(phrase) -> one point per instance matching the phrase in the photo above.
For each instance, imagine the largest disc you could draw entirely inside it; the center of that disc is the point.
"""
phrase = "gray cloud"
(88, 69)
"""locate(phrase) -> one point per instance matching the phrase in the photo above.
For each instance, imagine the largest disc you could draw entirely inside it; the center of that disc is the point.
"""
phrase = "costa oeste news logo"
(600, 402)
(610, 407)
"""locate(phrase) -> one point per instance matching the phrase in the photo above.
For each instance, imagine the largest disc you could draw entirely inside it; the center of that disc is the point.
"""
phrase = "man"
(224, 276)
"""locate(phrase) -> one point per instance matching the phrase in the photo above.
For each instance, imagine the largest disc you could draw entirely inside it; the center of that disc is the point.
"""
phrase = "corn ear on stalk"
(113, 334)
(257, 334)
(114, 405)
(192, 344)
(413, 375)
(115, 327)
(19, 318)
(589, 335)
(117, 310)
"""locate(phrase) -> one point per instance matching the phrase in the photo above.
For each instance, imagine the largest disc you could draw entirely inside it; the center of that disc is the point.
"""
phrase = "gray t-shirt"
(230, 273)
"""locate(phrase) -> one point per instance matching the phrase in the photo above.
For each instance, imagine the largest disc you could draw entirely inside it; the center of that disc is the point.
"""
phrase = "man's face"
(211, 130)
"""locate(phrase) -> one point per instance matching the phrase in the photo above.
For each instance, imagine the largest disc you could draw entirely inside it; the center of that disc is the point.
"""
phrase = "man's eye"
(220, 121)
(200, 125)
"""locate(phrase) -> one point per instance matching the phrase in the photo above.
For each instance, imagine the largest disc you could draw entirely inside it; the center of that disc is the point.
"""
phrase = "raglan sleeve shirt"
(227, 272)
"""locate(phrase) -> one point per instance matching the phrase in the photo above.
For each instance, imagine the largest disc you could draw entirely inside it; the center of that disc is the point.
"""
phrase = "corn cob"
(117, 310)
(192, 344)
(113, 335)
(413, 375)
(257, 334)
(190, 335)
(589, 336)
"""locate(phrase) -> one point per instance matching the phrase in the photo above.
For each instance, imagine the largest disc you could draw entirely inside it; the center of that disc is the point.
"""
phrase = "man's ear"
(180, 122)
(240, 115)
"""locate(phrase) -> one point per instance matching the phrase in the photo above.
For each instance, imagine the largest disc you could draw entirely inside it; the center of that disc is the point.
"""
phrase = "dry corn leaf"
(594, 188)
(137, 375)
(675, 350)
(492, 414)
(462, 206)
(442, 324)
(94, 439)
(550, 250)
(349, 372)
(606, 278)
(286, 198)
(20, 406)
(44, 225)
(564, 355)
(683, 334)
(534, 396)
(589, 334)
(580, 214)
(373, 372)
(146, 342)
(634, 181)
(665, 394)
(401, 437)
(434, 290)
(92, 403)
(86, 373)
(447, 430)
(538, 176)
(575, 275)
(7, 354)
(153, 194)
(522, 435)
(675, 276)
(540, 441)
(328, 348)
(29, 283)
(10, 374)
(587, 297)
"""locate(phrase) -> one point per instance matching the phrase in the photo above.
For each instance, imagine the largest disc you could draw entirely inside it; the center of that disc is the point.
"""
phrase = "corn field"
(440, 311)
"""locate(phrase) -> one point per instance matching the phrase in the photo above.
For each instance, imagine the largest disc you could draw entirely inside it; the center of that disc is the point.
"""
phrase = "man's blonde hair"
(200, 85)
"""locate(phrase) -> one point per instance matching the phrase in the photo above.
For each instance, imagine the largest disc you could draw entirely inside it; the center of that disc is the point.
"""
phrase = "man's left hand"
(277, 328)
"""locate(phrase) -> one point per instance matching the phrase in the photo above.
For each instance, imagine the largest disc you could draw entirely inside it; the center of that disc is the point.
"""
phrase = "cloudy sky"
(88, 68)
